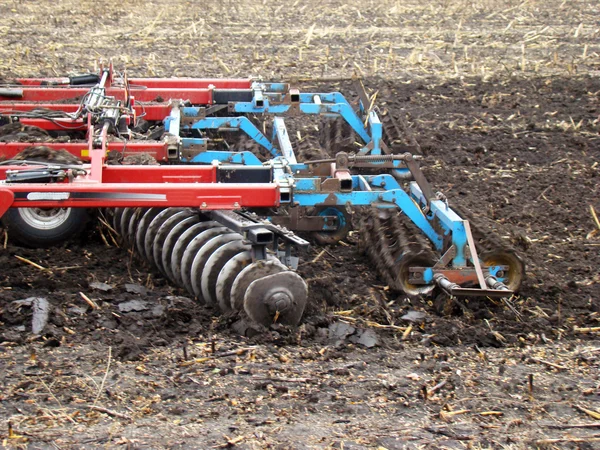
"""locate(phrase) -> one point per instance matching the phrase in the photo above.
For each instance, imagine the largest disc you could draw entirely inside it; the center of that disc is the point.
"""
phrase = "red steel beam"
(144, 174)
(55, 124)
(151, 111)
(218, 83)
(205, 196)
(200, 96)
(80, 149)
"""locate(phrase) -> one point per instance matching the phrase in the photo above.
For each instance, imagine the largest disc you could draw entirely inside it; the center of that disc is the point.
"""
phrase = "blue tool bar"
(342, 109)
(376, 135)
(306, 194)
(209, 156)
(173, 121)
(451, 222)
(241, 123)
(280, 132)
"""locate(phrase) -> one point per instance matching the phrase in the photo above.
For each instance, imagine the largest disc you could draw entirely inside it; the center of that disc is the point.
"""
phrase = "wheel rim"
(516, 268)
(45, 218)
(330, 211)
(328, 237)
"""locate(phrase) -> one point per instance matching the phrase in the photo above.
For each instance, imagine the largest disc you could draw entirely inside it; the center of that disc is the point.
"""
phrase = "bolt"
(279, 301)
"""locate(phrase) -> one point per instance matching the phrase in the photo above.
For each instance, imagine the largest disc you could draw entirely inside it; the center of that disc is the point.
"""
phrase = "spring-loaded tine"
(201, 258)
(182, 244)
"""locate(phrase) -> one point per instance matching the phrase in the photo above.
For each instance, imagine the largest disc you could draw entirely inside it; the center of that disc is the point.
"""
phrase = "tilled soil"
(136, 363)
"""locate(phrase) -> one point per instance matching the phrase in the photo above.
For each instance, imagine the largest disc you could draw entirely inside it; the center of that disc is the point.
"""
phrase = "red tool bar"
(218, 83)
(201, 96)
(152, 111)
(206, 196)
(80, 149)
(143, 174)
(56, 124)
(232, 83)
(159, 174)
(8, 107)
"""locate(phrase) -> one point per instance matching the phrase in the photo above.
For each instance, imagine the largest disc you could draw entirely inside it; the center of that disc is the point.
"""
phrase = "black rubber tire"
(23, 232)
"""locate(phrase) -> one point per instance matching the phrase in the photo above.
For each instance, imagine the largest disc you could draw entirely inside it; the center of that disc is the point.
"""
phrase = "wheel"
(516, 267)
(44, 227)
(344, 225)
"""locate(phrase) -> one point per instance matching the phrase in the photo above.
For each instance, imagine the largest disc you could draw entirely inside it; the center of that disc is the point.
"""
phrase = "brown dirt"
(507, 133)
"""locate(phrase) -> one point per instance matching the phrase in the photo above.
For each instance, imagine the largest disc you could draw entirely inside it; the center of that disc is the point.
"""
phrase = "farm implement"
(231, 184)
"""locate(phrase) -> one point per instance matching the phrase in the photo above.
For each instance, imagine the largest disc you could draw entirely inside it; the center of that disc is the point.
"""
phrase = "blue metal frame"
(443, 227)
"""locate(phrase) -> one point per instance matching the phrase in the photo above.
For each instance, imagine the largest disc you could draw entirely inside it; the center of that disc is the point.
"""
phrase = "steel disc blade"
(278, 298)
(152, 231)
(254, 271)
(116, 220)
(216, 262)
(142, 227)
(190, 253)
(227, 276)
(171, 240)
(181, 245)
(161, 236)
(134, 221)
(202, 256)
(128, 213)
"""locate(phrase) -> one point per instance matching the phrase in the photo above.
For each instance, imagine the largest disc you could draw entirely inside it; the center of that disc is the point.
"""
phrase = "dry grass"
(296, 39)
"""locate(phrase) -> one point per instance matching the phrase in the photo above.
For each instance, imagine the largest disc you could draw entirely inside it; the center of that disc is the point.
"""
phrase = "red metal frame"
(140, 186)
(180, 83)
(149, 111)
(124, 186)
(156, 149)
(198, 96)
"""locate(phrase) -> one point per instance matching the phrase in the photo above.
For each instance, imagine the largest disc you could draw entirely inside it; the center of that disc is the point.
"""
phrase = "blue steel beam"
(242, 123)
(343, 110)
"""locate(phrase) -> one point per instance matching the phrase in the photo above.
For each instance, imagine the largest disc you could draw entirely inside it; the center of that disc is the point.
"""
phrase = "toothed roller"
(201, 258)
(161, 236)
(170, 241)
(152, 231)
(181, 245)
(214, 266)
(190, 253)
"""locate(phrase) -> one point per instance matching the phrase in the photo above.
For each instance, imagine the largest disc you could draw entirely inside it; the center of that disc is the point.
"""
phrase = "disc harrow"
(219, 266)
(216, 214)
